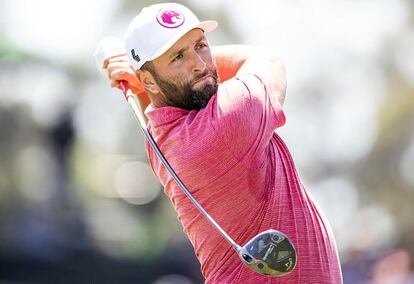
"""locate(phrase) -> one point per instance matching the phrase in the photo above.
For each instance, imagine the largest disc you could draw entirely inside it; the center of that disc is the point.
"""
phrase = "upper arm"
(245, 116)
(236, 60)
(270, 68)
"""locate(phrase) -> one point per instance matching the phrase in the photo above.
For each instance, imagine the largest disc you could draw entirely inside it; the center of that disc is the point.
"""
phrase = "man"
(220, 139)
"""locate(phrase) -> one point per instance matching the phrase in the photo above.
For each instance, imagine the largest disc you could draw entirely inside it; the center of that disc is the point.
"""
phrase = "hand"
(118, 68)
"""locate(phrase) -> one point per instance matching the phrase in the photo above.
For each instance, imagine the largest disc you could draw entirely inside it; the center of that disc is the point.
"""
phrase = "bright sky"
(56, 29)
(67, 29)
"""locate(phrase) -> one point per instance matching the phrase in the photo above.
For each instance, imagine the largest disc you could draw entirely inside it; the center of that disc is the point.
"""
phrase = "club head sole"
(269, 253)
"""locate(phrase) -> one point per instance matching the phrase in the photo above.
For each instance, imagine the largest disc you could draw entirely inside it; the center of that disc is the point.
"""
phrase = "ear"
(147, 81)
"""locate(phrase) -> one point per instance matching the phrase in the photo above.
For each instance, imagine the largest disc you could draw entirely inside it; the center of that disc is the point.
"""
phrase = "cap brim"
(206, 26)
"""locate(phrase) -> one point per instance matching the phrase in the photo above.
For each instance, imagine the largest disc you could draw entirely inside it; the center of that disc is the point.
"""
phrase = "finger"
(115, 84)
(114, 59)
(119, 74)
(123, 71)
(125, 74)
(111, 67)
(107, 59)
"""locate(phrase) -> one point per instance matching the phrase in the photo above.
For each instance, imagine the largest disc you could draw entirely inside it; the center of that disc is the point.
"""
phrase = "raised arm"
(234, 60)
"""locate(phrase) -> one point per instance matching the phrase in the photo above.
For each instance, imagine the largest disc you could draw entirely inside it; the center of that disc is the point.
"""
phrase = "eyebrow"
(181, 50)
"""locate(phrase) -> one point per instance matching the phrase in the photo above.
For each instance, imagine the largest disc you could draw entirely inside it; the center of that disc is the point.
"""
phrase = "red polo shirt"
(231, 159)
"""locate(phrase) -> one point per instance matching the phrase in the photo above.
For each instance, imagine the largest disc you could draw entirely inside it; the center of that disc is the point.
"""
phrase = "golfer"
(214, 112)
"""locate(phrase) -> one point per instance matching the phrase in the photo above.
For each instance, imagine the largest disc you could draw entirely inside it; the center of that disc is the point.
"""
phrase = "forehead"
(186, 40)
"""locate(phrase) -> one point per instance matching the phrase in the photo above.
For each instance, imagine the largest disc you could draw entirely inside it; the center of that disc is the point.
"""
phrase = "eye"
(178, 57)
(201, 45)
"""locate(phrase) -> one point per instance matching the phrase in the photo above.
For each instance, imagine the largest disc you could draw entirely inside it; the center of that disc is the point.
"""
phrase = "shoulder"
(248, 91)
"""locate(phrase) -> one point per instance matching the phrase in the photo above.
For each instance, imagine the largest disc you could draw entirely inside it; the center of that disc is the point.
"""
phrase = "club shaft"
(136, 109)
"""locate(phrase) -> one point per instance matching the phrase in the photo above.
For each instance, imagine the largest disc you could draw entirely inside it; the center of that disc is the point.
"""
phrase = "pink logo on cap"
(170, 18)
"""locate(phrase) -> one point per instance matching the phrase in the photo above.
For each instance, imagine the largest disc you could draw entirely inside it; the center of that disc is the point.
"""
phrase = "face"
(186, 74)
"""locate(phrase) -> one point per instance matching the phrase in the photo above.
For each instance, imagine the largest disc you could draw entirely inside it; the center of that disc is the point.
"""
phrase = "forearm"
(229, 59)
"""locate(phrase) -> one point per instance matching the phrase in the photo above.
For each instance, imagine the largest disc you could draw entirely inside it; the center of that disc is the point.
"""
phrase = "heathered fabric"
(231, 159)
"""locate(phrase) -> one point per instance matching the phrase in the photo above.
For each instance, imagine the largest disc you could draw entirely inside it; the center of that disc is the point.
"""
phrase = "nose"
(199, 65)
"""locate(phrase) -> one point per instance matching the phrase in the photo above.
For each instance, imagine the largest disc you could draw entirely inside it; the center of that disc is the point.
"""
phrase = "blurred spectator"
(393, 268)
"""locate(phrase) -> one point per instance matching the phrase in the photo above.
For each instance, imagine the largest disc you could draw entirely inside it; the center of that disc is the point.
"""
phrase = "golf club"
(269, 253)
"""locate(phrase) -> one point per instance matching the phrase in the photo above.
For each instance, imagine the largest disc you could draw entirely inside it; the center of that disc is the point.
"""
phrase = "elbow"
(279, 82)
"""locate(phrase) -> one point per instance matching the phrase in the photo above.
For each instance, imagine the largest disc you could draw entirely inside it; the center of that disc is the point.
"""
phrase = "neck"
(157, 100)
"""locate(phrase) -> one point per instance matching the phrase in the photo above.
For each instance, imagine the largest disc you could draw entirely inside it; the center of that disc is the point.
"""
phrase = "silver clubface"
(269, 253)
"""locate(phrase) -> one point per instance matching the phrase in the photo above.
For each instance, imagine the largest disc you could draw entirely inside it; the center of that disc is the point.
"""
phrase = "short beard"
(180, 93)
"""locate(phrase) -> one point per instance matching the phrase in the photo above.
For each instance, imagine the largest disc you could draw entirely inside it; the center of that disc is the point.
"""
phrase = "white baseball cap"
(157, 28)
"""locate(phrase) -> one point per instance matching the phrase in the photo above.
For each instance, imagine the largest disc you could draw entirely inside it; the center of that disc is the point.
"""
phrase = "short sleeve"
(245, 115)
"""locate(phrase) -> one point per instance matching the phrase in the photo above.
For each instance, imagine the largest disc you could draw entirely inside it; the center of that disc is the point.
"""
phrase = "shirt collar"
(163, 115)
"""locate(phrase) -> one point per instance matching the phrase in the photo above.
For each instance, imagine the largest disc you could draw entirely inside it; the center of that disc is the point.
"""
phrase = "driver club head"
(269, 253)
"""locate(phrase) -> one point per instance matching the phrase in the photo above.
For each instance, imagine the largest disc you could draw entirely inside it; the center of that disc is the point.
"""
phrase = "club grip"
(125, 89)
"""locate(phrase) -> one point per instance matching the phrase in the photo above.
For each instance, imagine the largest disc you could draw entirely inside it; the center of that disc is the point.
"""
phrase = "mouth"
(202, 79)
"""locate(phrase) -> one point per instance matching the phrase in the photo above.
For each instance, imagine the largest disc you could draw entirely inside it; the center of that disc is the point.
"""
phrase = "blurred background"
(78, 203)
